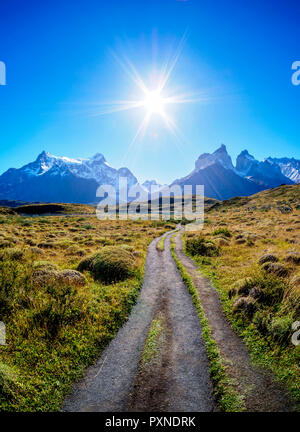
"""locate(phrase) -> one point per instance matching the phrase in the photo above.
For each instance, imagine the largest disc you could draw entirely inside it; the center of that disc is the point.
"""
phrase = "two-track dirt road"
(179, 379)
(182, 383)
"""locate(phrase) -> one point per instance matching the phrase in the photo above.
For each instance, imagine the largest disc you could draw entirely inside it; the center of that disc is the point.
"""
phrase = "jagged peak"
(221, 149)
(220, 155)
(124, 170)
(245, 154)
(43, 154)
(98, 157)
(150, 182)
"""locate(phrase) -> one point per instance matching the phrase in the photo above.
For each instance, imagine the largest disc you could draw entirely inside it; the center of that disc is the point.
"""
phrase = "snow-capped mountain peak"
(98, 157)
(290, 167)
(220, 155)
(79, 176)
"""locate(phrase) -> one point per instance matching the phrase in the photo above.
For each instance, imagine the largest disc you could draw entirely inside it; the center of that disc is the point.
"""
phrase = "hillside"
(250, 249)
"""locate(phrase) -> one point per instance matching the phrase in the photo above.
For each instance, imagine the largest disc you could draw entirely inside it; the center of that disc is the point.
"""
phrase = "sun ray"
(154, 100)
(131, 71)
(114, 109)
(168, 71)
(140, 132)
(174, 131)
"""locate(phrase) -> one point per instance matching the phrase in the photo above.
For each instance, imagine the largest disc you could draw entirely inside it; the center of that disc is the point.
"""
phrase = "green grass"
(161, 244)
(53, 334)
(152, 343)
(227, 398)
(54, 331)
(221, 231)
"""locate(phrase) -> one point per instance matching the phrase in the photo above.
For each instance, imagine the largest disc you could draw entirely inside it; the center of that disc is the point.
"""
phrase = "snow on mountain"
(222, 180)
(289, 167)
(220, 155)
(62, 179)
(76, 180)
(94, 168)
(216, 172)
(148, 183)
(265, 172)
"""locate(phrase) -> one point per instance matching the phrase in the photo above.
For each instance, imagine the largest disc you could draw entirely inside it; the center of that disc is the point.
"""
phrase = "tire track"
(107, 385)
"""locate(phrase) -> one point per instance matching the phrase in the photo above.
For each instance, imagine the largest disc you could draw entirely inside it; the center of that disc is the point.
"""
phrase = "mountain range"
(222, 180)
(61, 179)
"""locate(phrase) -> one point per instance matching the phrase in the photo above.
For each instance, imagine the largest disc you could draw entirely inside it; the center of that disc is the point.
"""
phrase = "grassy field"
(250, 249)
(58, 319)
(68, 282)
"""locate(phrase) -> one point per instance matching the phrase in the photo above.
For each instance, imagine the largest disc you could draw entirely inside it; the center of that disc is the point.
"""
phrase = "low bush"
(222, 231)
(111, 264)
(276, 268)
(200, 246)
(14, 254)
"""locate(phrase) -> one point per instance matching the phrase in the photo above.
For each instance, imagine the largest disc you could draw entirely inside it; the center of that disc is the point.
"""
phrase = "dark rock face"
(220, 183)
(222, 180)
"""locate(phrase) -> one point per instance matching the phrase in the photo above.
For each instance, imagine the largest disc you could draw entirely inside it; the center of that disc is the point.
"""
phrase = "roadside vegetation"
(160, 246)
(67, 283)
(250, 249)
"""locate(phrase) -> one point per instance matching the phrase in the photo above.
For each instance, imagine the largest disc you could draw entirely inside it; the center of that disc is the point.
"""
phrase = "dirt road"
(181, 381)
(178, 379)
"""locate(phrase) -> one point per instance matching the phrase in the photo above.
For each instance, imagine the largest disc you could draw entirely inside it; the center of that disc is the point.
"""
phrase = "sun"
(154, 102)
(156, 99)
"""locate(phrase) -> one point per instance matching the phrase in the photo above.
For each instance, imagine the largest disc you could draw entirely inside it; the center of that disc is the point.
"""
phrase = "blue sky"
(60, 59)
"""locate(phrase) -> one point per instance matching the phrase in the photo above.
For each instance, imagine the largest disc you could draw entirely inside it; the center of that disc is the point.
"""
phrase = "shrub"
(221, 241)
(275, 268)
(46, 244)
(267, 289)
(244, 304)
(36, 251)
(10, 385)
(280, 327)
(4, 243)
(44, 276)
(222, 231)
(87, 227)
(14, 254)
(38, 265)
(127, 247)
(86, 264)
(242, 286)
(261, 320)
(267, 258)
(71, 277)
(200, 246)
(293, 258)
(240, 241)
(111, 264)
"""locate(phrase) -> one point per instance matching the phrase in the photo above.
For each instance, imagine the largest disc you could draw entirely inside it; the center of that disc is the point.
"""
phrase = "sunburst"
(154, 100)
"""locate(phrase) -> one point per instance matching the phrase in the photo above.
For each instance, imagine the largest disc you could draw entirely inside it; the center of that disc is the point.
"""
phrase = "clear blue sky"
(59, 63)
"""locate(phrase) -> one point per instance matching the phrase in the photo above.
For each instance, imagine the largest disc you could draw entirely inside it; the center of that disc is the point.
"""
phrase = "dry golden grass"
(58, 319)
(258, 227)
(262, 300)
